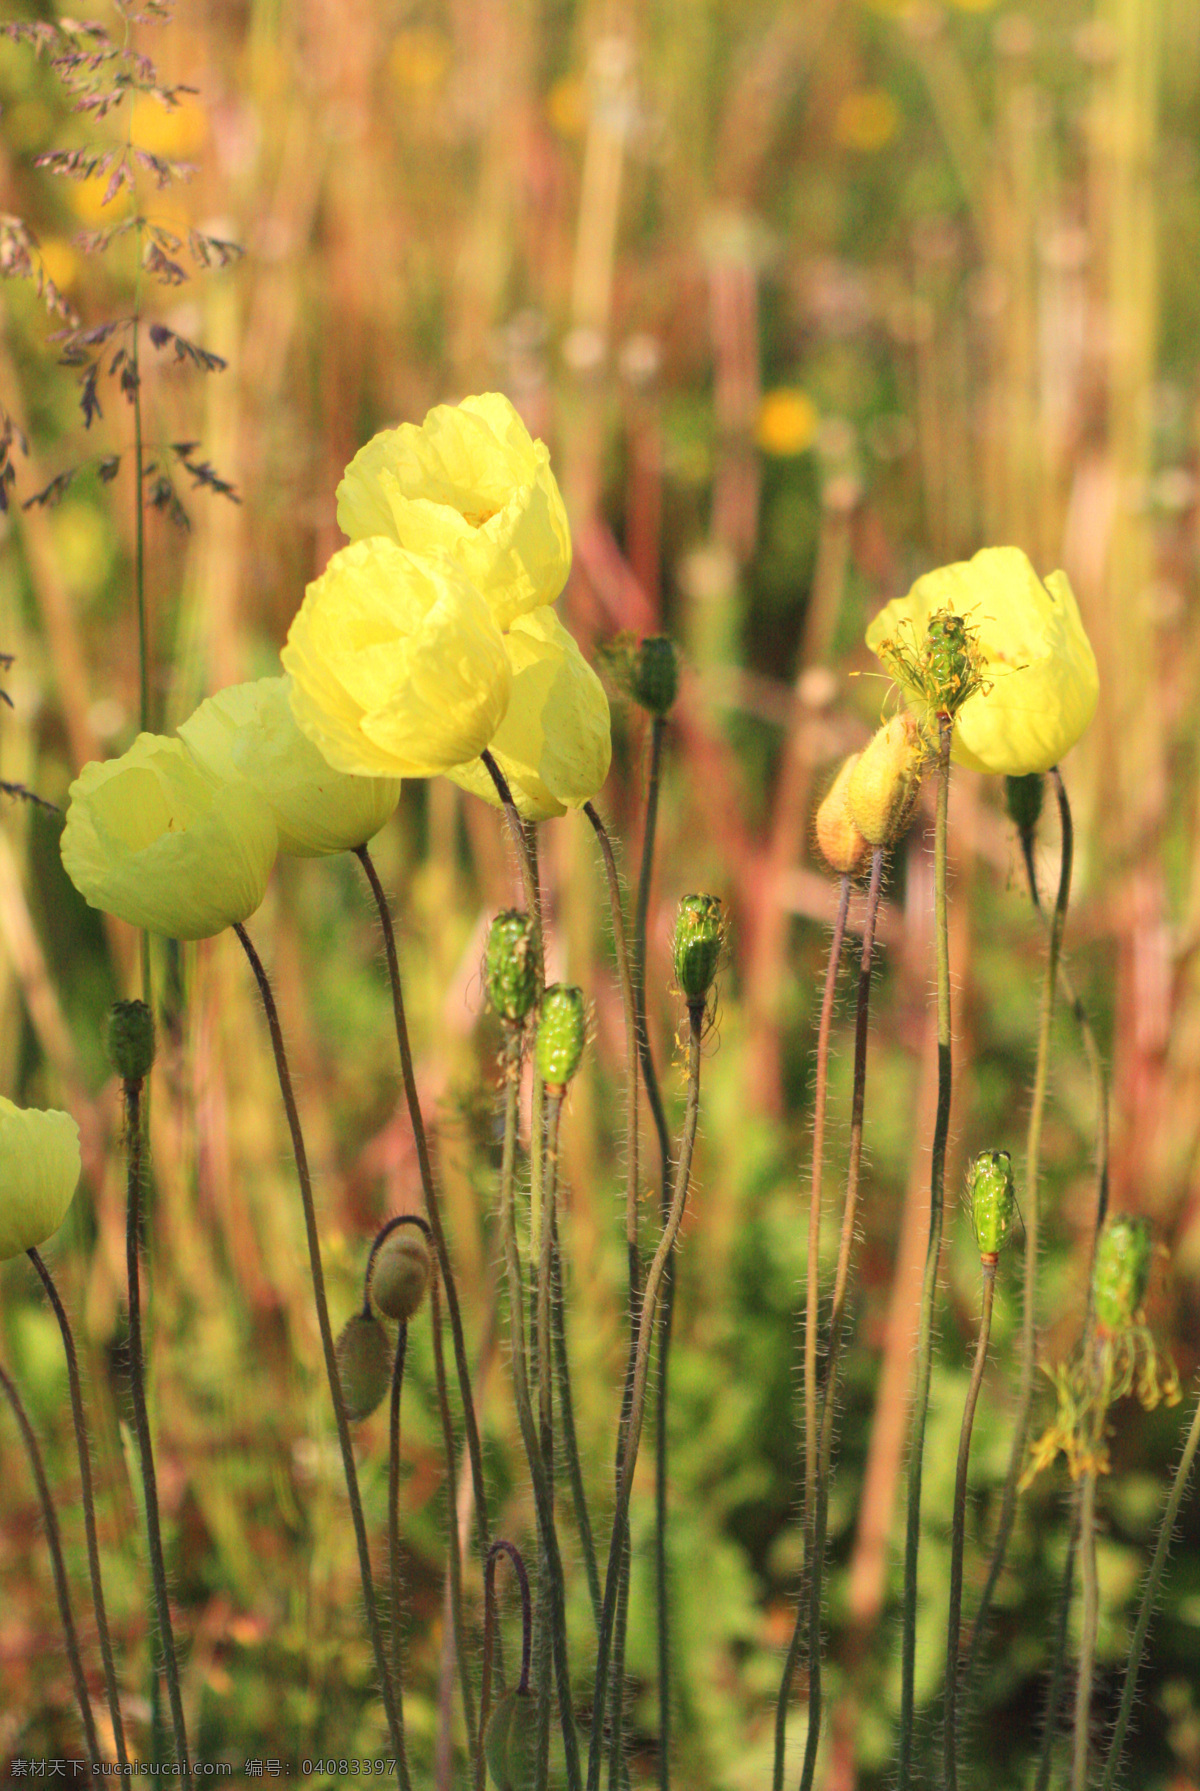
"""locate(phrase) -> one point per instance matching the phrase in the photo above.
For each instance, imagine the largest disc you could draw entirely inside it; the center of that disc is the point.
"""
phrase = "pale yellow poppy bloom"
(152, 838)
(248, 732)
(472, 482)
(39, 1172)
(555, 743)
(1040, 680)
(398, 668)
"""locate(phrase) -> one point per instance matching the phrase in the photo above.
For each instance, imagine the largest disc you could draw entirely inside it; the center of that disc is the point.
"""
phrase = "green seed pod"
(842, 845)
(1122, 1271)
(400, 1271)
(511, 965)
(1024, 798)
(131, 1040)
(883, 786)
(699, 936)
(993, 1200)
(510, 1742)
(562, 1030)
(364, 1360)
(654, 677)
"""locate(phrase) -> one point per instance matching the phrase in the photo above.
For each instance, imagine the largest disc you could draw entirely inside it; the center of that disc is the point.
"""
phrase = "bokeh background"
(805, 299)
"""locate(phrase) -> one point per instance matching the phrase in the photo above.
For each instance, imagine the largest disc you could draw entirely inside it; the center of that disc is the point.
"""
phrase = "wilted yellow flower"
(398, 668)
(39, 1171)
(555, 743)
(249, 732)
(470, 481)
(1040, 682)
(152, 838)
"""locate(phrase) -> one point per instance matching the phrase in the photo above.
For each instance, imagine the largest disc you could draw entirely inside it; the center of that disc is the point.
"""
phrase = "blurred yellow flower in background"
(866, 120)
(248, 732)
(152, 838)
(473, 483)
(555, 743)
(787, 422)
(419, 61)
(170, 131)
(398, 668)
(39, 1172)
(1041, 683)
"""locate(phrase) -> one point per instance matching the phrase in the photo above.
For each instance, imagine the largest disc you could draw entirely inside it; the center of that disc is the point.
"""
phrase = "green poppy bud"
(655, 674)
(699, 936)
(364, 1360)
(1024, 798)
(993, 1201)
(562, 1029)
(883, 786)
(843, 847)
(399, 1273)
(1122, 1271)
(510, 966)
(130, 1040)
(510, 1742)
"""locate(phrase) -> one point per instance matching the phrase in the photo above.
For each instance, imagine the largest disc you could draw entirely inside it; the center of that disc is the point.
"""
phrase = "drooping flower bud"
(399, 1272)
(654, 676)
(131, 1040)
(993, 1200)
(1122, 1271)
(1023, 796)
(364, 1360)
(510, 1741)
(562, 1030)
(511, 965)
(844, 848)
(699, 936)
(883, 786)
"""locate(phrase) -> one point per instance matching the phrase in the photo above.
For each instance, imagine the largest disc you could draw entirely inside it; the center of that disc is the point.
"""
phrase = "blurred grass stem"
(959, 1524)
(454, 1556)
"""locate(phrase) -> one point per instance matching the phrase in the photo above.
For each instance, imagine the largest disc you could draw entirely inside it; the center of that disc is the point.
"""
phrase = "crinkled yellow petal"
(248, 732)
(1042, 682)
(39, 1172)
(472, 482)
(153, 839)
(555, 743)
(397, 667)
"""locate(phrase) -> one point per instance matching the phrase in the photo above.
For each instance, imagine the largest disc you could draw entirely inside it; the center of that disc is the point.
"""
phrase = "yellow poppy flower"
(248, 732)
(39, 1171)
(1040, 681)
(152, 838)
(398, 669)
(555, 743)
(473, 482)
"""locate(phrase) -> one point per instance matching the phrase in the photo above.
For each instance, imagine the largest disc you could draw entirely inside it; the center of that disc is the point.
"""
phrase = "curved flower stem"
(335, 1386)
(490, 1622)
(958, 1528)
(134, 1135)
(455, 1554)
(1149, 1597)
(1032, 1210)
(566, 1405)
(516, 829)
(88, 1500)
(637, 1403)
(1087, 1639)
(820, 1514)
(941, 1131)
(395, 1605)
(60, 1572)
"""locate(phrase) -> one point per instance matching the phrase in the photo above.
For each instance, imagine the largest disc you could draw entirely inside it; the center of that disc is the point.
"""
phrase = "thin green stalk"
(141, 1416)
(516, 829)
(490, 1632)
(60, 1572)
(924, 1365)
(637, 1406)
(1149, 1597)
(327, 1345)
(820, 1516)
(810, 1319)
(1058, 1671)
(87, 1496)
(1031, 1214)
(566, 1406)
(1087, 1639)
(395, 1602)
(959, 1525)
(455, 1553)
(545, 1387)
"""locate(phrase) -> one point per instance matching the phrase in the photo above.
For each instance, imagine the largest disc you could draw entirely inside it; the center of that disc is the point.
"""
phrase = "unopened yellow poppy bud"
(882, 788)
(39, 1171)
(399, 1272)
(364, 1361)
(843, 846)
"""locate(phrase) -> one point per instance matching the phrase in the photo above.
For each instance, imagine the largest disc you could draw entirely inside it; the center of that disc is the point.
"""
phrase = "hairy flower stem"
(1031, 1214)
(454, 1551)
(1149, 1599)
(959, 1525)
(1087, 1638)
(374, 1627)
(395, 1605)
(134, 1138)
(88, 1500)
(491, 1630)
(545, 1388)
(924, 1364)
(60, 1573)
(820, 1513)
(566, 1406)
(650, 1296)
(516, 829)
